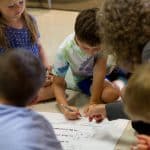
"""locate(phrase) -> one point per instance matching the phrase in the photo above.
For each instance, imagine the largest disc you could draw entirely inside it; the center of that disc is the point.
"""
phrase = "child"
(21, 77)
(18, 29)
(130, 43)
(138, 89)
(125, 27)
(118, 38)
(80, 52)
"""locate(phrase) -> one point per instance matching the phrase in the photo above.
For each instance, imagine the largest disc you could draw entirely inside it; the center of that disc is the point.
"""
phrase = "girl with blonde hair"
(18, 29)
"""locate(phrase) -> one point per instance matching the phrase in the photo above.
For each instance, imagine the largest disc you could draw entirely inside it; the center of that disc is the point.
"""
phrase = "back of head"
(21, 76)
(87, 28)
(137, 94)
(125, 26)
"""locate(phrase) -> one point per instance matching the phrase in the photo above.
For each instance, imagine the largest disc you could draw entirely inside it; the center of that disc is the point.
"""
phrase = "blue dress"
(20, 38)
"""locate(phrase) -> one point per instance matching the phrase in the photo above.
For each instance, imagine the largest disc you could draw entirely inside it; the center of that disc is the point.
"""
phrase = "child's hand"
(143, 143)
(49, 68)
(70, 112)
(88, 109)
(48, 80)
(96, 112)
(49, 77)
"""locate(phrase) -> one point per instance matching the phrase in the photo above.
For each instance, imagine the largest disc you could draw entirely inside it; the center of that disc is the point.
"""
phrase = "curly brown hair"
(125, 28)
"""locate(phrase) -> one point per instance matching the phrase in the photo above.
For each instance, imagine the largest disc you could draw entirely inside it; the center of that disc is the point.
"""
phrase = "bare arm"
(98, 80)
(70, 112)
(43, 55)
(59, 90)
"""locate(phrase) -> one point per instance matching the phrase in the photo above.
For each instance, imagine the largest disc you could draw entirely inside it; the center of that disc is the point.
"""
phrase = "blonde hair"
(30, 24)
(125, 28)
(137, 94)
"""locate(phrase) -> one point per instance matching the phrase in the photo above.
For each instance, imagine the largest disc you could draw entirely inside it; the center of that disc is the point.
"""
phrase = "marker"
(69, 109)
(66, 107)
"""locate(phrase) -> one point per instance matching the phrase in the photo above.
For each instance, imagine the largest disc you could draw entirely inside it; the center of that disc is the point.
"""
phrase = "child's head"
(137, 94)
(21, 77)
(125, 26)
(11, 10)
(87, 30)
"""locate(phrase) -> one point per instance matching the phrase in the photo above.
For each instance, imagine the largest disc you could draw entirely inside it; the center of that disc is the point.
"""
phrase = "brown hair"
(125, 26)
(30, 24)
(22, 75)
(137, 94)
(87, 28)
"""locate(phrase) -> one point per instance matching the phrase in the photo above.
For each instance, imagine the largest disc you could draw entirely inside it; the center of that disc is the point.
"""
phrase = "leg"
(110, 92)
(85, 86)
(46, 93)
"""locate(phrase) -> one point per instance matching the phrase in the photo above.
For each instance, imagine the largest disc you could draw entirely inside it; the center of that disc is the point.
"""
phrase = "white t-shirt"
(71, 57)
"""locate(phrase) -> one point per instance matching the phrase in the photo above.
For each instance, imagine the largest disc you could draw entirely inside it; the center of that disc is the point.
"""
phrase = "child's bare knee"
(110, 94)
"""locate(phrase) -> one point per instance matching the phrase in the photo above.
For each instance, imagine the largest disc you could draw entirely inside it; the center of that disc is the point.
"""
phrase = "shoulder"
(68, 42)
(32, 18)
(39, 120)
(41, 129)
(24, 126)
(27, 118)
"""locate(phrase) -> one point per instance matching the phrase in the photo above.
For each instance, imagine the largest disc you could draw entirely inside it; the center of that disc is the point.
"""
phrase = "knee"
(110, 94)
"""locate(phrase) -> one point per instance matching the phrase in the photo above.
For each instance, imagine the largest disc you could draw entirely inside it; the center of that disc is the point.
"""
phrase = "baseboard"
(39, 3)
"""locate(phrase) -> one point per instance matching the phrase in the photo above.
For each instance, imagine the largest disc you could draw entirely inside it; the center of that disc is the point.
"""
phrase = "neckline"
(10, 27)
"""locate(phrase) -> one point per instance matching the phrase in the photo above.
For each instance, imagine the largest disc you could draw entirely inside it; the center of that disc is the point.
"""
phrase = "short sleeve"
(115, 110)
(61, 65)
(146, 53)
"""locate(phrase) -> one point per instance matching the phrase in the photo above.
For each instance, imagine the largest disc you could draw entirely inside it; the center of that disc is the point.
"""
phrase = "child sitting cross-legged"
(18, 29)
(81, 53)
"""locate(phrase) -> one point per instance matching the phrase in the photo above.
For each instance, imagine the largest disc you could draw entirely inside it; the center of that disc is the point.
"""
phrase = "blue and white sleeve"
(61, 65)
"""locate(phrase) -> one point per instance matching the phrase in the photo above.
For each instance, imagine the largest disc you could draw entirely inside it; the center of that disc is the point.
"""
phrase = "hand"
(49, 68)
(49, 77)
(70, 112)
(143, 143)
(88, 109)
(49, 80)
(97, 112)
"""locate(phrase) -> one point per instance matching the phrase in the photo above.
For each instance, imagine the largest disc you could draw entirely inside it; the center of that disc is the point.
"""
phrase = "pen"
(69, 109)
(66, 107)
